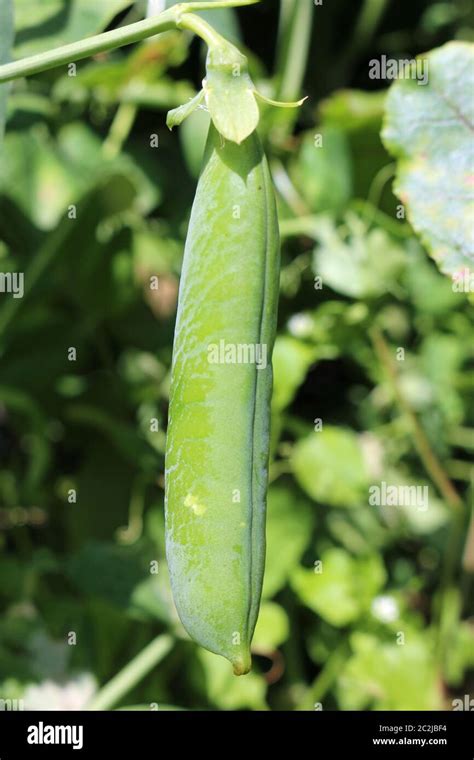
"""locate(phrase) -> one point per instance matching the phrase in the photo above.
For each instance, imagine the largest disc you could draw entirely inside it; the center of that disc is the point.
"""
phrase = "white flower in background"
(300, 325)
(373, 453)
(49, 695)
(385, 609)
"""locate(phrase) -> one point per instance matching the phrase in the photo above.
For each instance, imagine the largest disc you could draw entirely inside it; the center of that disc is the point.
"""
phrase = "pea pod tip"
(241, 661)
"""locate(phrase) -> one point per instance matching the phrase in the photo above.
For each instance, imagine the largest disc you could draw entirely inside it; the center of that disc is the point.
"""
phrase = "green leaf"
(390, 676)
(356, 261)
(110, 197)
(60, 172)
(49, 190)
(51, 23)
(291, 361)
(353, 109)
(429, 291)
(273, 627)
(322, 170)
(343, 589)
(290, 521)
(6, 42)
(329, 465)
(429, 129)
(123, 436)
(109, 571)
(460, 653)
(121, 576)
(359, 116)
(152, 599)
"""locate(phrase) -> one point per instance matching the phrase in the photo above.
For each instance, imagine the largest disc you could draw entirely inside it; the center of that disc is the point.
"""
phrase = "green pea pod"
(218, 434)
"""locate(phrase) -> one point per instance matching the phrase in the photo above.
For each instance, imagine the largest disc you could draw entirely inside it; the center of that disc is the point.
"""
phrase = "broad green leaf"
(46, 24)
(50, 187)
(152, 599)
(429, 129)
(60, 172)
(105, 483)
(290, 521)
(342, 587)
(390, 676)
(25, 106)
(6, 42)
(322, 170)
(329, 465)
(357, 261)
(272, 628)
(353, 109)
(430, 292)
(359, 115)
(121, 575)
(108, 571)
(110, 197)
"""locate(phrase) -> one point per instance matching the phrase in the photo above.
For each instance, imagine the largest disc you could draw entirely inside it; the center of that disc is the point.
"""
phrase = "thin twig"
(431, 462)
(131, 674)
(178, 16)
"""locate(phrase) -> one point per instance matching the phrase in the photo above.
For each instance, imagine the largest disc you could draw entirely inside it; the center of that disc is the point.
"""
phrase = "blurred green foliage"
(92, 213)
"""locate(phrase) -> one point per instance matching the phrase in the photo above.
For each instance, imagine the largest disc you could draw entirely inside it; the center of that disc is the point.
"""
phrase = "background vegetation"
(90, 212)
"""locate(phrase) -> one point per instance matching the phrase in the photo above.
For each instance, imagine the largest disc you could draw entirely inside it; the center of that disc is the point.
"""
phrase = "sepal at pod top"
(229, 95)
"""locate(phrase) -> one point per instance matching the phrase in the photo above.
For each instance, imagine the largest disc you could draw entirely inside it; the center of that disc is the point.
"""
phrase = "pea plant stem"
(131, 674)
(100, 43)
(300, 226)
(120, 129)
(325, 679)
(368, 20)
(294, 40)
(307, 226)
(371, 14)
(202, 29)
(287, 190)
(431, 462)
(213, 4)
(179, 16)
